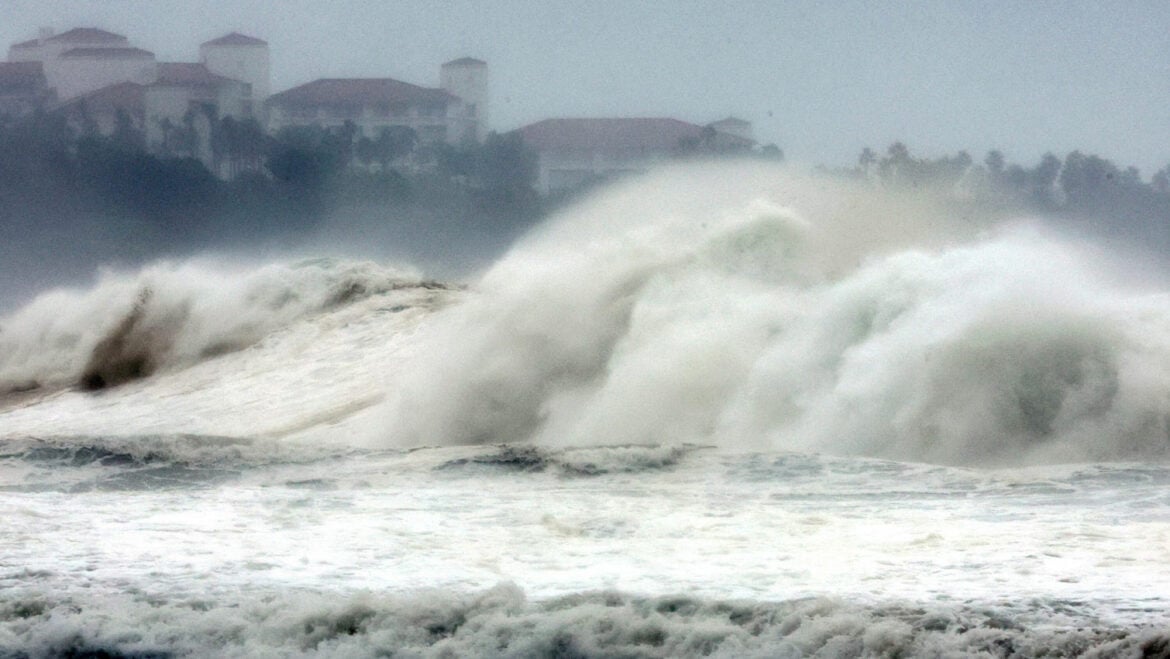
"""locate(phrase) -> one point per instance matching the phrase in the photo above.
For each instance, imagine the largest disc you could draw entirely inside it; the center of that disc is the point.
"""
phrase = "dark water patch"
(134, 348)
(353, 289)
(505, 458)
(131, 463)
(76, 648)
(573, 462)
(318, 629)
(158, 478)
(347, 292)
(126, 450)
(79, 456)
(317, 484)
(620, 459)
(136, 480)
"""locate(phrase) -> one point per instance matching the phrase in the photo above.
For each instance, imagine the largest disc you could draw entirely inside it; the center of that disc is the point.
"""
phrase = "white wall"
(245, 63)
(469, 82)
(73, 76)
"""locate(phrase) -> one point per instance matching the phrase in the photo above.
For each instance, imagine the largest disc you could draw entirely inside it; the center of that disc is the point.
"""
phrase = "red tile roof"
(108, 53)
(465, 61)
(236, 39)
(358, 92)
(616, 134)
(186, 74)
(86, 35)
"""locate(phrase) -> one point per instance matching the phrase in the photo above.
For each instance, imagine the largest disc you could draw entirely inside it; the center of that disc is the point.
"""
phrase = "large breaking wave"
(751, 308)
(171, 315)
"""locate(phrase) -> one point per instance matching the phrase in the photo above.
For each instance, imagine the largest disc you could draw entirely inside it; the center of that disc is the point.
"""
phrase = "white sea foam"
(750, 307)
(500, 622)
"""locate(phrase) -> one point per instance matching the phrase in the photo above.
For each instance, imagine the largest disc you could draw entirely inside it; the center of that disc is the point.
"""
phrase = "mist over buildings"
(823, 81)
(821, 86)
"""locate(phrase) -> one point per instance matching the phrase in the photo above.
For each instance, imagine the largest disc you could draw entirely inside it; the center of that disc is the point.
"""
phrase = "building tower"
(467, 79)
(242, 58)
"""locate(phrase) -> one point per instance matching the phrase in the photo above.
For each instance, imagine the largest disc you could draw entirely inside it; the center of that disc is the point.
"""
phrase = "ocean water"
(717, 411)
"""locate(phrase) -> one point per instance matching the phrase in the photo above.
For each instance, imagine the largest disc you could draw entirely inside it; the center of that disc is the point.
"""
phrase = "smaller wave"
(137, 450)
(576, 461)
(171, 315)
(501, 622)
(143, 462)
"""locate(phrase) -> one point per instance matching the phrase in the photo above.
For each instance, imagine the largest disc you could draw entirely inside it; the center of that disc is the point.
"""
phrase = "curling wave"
(171, 315)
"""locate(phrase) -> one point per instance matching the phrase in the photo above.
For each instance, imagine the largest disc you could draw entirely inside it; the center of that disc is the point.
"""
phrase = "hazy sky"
(821, 79)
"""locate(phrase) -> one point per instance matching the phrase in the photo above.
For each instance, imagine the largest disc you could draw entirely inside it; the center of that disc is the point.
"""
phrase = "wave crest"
(171, 315)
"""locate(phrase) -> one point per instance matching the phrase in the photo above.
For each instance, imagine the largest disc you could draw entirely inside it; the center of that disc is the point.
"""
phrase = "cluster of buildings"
(100, 81)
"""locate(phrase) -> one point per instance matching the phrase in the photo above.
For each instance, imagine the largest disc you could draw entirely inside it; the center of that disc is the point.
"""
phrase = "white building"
(373, 104)
(466, 79)
(80, 70)
(242, 58)
(85, 59)
(100, 79)
(182, 103)
(573, 152)
(232, 71)
(48, 46)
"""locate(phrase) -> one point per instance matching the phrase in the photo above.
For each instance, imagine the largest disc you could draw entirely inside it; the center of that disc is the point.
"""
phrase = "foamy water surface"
(682, 419)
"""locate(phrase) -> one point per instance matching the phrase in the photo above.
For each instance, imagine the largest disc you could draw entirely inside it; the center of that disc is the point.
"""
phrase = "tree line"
(56, 172)
(63, 181)
(1082, 189)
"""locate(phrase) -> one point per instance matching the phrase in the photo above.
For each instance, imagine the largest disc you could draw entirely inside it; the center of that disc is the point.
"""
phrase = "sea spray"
(752, 308)
(739, 306)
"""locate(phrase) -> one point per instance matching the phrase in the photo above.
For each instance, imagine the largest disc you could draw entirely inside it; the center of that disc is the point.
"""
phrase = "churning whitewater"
(721, 410)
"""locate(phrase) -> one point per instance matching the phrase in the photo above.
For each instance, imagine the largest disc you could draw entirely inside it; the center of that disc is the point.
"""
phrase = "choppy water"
(715, 412)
